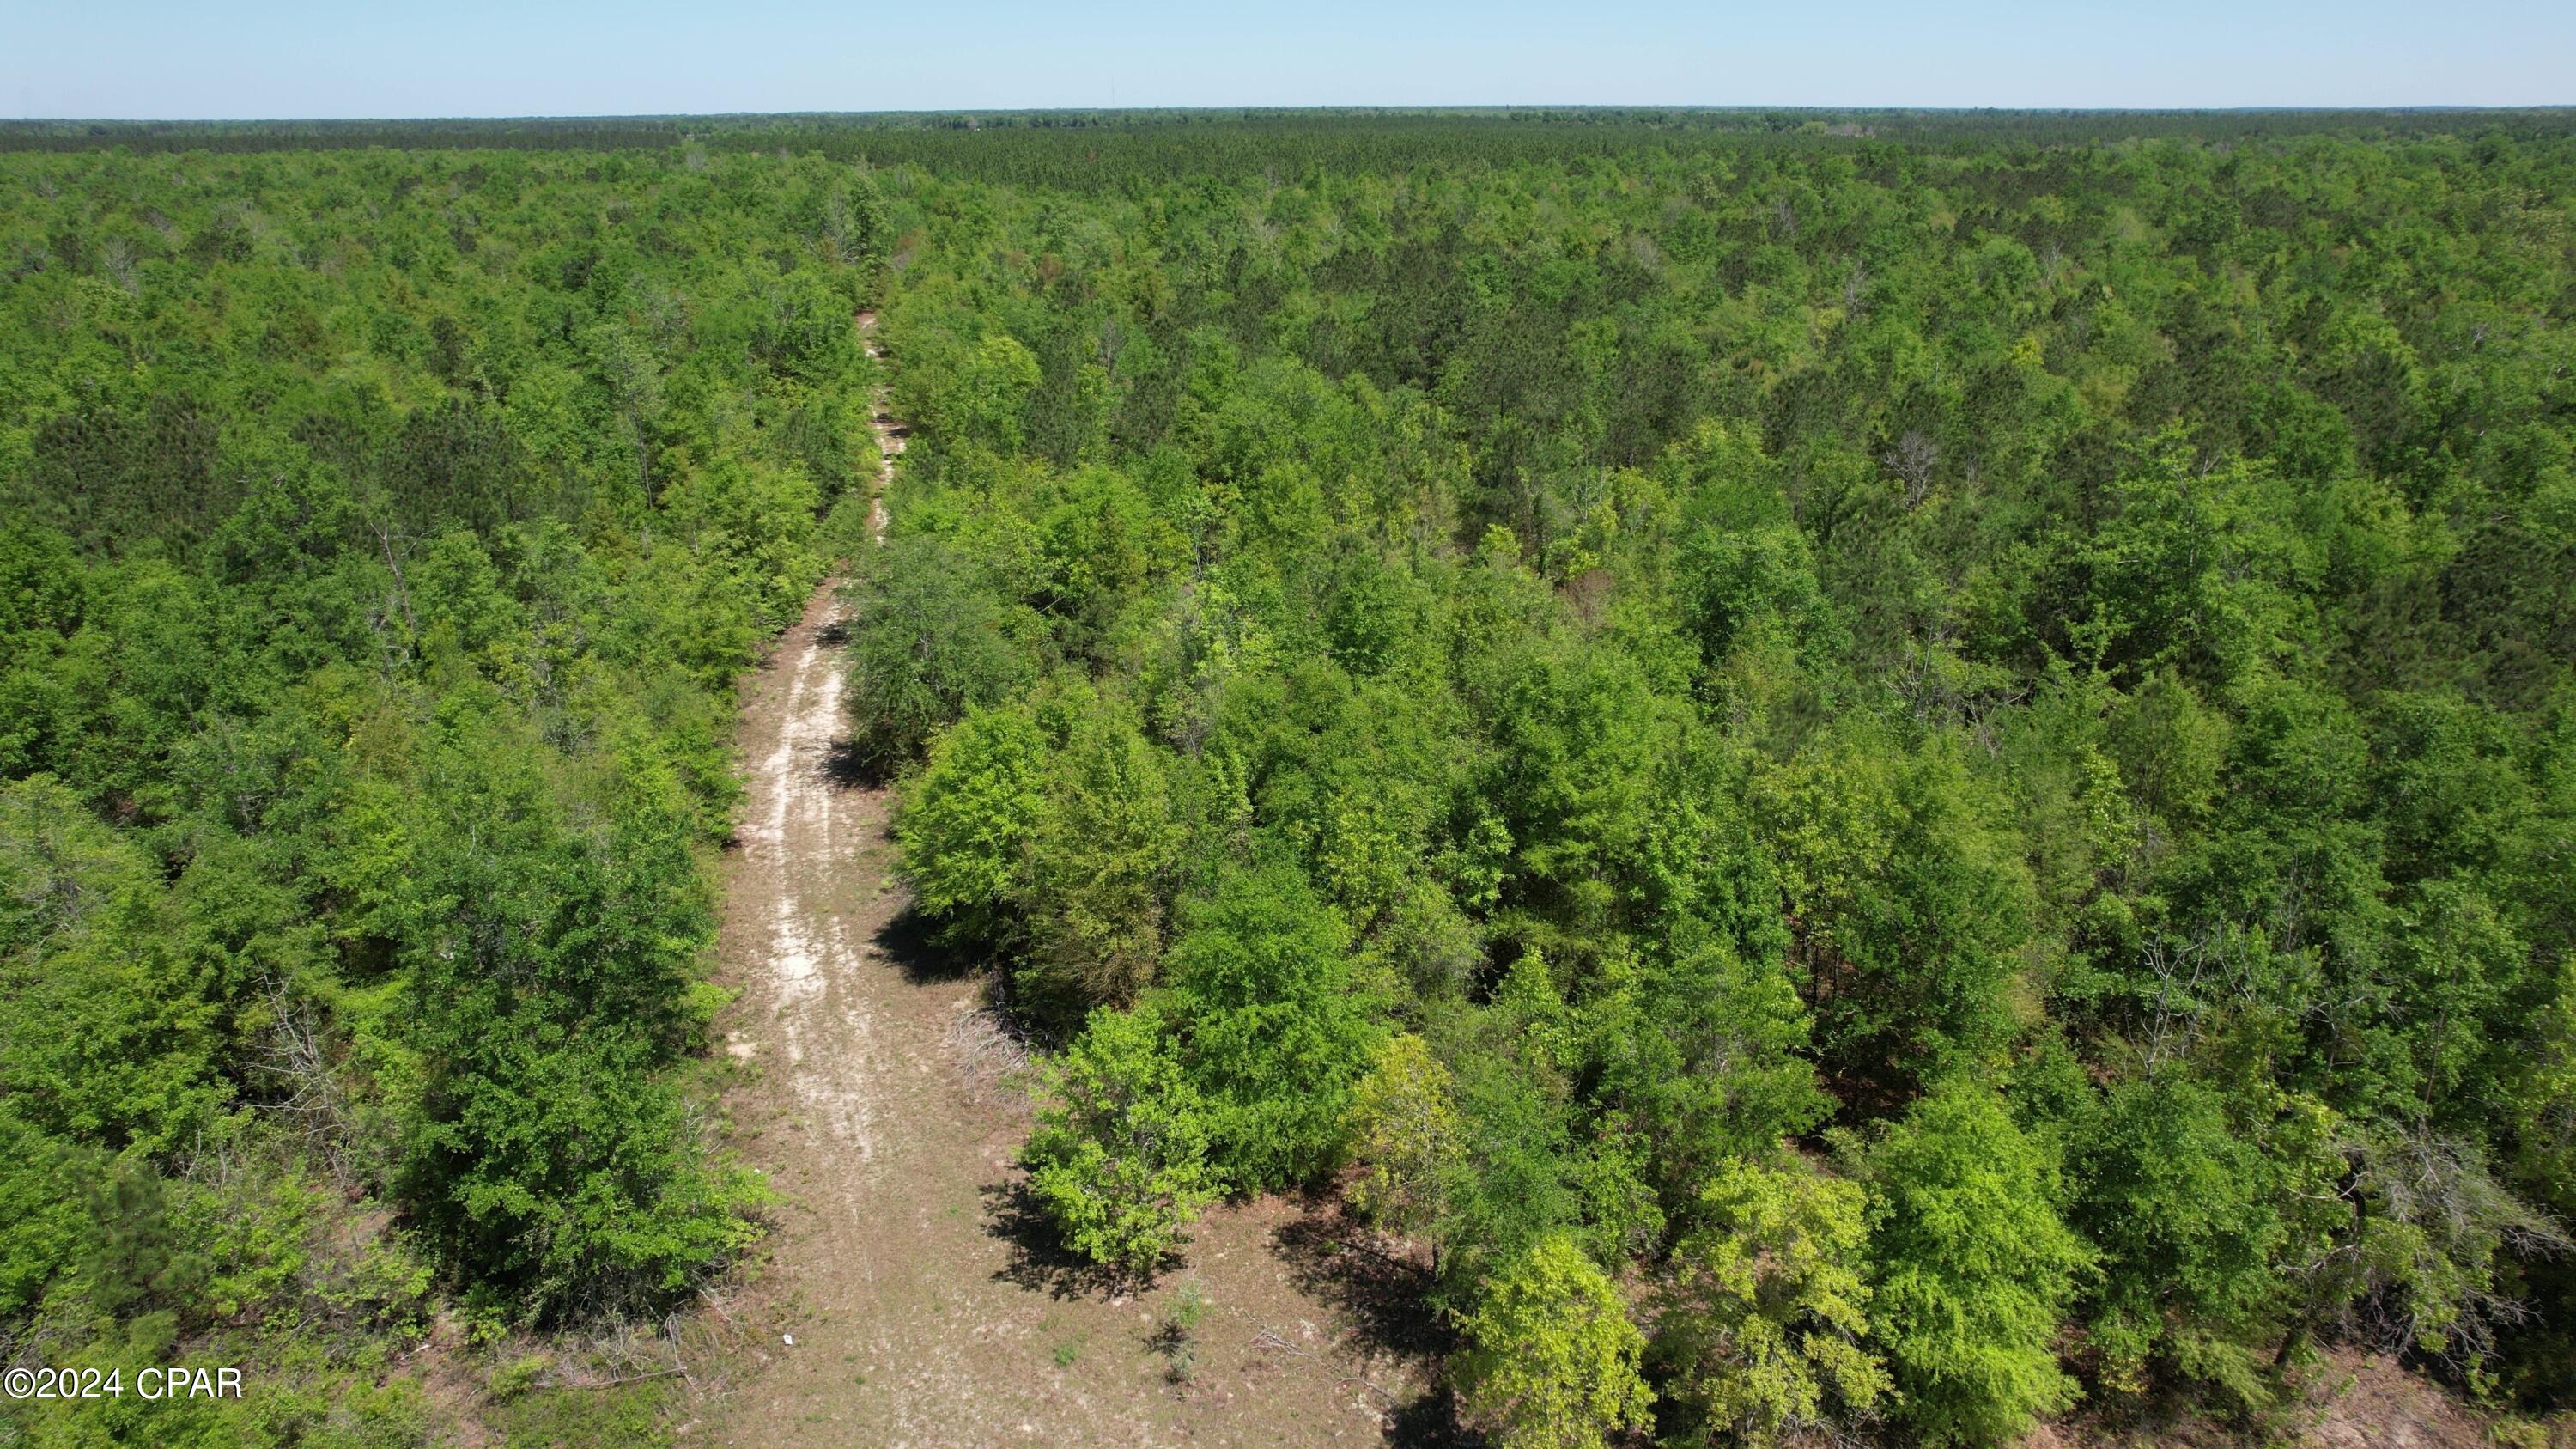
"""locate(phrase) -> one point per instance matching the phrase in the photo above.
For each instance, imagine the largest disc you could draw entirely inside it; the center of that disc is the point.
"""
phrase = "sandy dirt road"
(923, 1309)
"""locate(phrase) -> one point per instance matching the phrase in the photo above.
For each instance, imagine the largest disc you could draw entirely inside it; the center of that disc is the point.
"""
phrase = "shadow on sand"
(1327, 1254)
(1040, 1262)
(1338, 1259)
(847, 767)
(912, 943)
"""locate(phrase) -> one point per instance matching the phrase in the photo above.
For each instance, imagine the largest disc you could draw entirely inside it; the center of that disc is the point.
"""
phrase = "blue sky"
(158, 59)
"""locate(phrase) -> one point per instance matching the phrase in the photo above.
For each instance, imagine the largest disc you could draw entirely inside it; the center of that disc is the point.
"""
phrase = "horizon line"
(1383, 108)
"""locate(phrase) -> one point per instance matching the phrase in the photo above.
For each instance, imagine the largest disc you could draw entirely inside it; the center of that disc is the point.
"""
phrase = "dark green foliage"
(2189, 1212)
(1708, 1056)
(550, 993)
(1102, 856)
(928, 645)
(1276, 1028)
(111, 1030)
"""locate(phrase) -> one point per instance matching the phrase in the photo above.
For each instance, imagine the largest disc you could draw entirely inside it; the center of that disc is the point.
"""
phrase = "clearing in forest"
(924, 1307)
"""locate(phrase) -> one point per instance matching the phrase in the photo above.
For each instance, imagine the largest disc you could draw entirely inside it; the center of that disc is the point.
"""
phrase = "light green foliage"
(1406, 1135)
(751, 522)
(2545, 1100)
(108, 1031)
(1119, 1157)
(2171, 748)
(1520, 1153)
(1175, 1337)
(1764, 1321)
(1709, 1051)
(1098, 550)
(44, 1227)
(1551, 1359)
(1910, 905)
(992, 389)
(2193, 569)
(1974, 1268)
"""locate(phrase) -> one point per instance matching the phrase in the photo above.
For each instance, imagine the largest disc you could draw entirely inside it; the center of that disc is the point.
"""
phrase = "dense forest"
(384, 532)
(1851, 783)
(1872, 777)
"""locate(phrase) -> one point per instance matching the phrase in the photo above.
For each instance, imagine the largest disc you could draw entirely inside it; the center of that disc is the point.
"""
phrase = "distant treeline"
(1088, 147)
(541, 134)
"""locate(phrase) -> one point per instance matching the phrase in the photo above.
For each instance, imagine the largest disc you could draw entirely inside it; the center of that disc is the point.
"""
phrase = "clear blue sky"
(161, 59)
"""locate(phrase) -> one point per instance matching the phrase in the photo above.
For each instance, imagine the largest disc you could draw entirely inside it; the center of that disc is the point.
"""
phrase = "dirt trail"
(922, 1312)
(891, 435)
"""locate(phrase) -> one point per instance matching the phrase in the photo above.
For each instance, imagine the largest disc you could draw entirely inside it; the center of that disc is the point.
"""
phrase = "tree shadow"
(850, 766)
(1039, 1261)
(1430, 1421)
(1335, 1257)
(912, 943)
